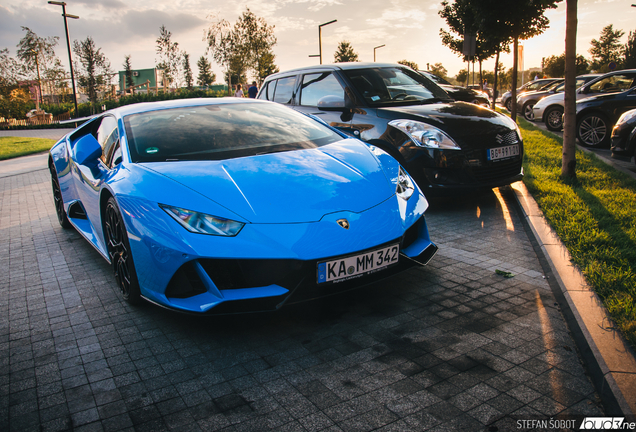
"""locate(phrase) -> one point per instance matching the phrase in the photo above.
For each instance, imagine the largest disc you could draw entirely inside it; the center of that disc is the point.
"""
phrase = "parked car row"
(601, 99)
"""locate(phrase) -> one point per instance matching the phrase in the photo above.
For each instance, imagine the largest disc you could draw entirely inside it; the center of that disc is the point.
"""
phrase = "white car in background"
(550, 109)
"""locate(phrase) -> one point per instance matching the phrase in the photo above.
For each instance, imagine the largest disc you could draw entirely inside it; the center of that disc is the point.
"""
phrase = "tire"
(554, 119)
(62, 217)
(509, 104)
(119, 253)
(527, 110)
(593, 130)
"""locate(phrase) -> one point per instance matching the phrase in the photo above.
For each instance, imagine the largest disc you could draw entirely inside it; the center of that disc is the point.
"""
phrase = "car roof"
(336, 66)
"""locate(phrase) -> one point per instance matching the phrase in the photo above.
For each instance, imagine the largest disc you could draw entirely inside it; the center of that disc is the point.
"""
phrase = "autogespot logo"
(607, 423)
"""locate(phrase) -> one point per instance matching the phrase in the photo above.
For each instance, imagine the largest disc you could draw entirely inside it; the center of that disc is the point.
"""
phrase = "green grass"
(11, 147)
(595, 217)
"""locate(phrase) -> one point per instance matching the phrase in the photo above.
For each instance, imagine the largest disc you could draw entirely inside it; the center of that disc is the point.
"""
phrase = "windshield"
(221, 131)
(395, 86)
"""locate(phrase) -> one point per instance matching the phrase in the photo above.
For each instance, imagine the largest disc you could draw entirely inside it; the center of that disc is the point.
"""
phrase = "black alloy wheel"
(593, 130)
(554, 119)
(528, 110)
(62, 218)
(119, 253)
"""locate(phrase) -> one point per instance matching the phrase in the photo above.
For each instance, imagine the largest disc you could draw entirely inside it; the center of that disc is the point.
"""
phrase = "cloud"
(399, 18)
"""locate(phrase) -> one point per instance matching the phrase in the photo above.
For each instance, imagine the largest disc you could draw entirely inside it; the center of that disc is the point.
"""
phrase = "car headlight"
(405, 186)
(425, 135)
(203, 223)
(626, 116)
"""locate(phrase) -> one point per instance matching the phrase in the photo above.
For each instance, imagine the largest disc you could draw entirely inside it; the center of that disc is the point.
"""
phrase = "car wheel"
(62, 218)
(509, 104)
(593, 130)
(554, 119)
(528, 112)
(119, 253)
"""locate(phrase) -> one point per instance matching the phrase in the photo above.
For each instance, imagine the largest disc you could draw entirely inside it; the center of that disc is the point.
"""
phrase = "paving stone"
(451, 346)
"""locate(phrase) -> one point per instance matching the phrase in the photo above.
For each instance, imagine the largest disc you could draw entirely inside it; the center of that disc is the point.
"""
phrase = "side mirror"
(87, 149)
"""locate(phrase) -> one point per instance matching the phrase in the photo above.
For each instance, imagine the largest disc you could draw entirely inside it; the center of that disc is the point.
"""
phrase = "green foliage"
(170, 57)
(594, 216)
(554, 66)
(408, 63)
(244, 47)
(606, 49)
(11, 147)
(128, 73)
(206, 77)
(345, 53)
(629, 61)
(37, 52)
(187, 71)
(93, 69)
(439, 70)
(266, 66)
(9, 69)
(15, 102)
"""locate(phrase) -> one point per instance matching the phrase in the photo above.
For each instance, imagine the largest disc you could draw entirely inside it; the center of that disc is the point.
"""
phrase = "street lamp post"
(68, 45)
(320, 39)
(375, 48)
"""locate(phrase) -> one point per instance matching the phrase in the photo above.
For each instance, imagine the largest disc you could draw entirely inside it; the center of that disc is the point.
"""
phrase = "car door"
(92, 175)
(315, 86)
(626, 102)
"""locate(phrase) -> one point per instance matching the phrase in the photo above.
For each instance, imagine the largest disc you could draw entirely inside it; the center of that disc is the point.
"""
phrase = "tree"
(629, 61)
(187, 70)
(35, 53)
(222, 44)
(345, 53)
(256, 39)
(244, 47)
(93, 70)
(469, 17)
(606, 49)
(408, 63)
(9, 69)
(266, 66)
(568, 158)
(169, 57)
(439, 70)
(128, 74)
(519, 20)
(554, 66)
(206, 77)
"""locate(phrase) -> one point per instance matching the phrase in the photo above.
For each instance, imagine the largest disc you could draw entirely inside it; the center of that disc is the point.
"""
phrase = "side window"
(316, 86)
(613, 84)
(284, 90)
(115, 159)
(267, 92)
(107, 136)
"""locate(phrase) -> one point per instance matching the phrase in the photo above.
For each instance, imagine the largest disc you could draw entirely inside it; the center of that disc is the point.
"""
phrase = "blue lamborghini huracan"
(235, 205)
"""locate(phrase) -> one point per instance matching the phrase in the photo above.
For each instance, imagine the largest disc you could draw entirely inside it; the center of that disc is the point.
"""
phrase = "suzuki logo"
(343, 223)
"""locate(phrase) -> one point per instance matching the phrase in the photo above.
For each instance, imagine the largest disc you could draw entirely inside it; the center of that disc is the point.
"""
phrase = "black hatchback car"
(458, 93)
(444, 145)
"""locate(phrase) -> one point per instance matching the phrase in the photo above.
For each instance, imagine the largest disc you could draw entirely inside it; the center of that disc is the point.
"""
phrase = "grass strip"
(11, 147)
(594, 216)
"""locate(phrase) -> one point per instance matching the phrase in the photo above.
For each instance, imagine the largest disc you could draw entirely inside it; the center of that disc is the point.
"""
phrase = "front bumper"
(266, 265)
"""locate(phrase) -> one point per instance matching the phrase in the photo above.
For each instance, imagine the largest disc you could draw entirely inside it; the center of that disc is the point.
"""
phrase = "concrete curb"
(610, 360)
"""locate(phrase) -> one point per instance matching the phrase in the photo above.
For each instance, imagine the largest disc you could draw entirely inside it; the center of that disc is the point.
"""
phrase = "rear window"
(221, 131)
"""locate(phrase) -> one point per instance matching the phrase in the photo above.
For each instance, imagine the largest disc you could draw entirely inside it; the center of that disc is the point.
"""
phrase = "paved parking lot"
(452, 346)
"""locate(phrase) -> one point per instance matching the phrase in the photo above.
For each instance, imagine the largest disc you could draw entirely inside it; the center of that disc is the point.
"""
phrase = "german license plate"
(503, 152)
(341, 269)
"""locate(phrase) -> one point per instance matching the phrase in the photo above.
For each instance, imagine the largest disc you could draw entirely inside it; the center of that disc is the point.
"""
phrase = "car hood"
(466, 123)
(288, 187)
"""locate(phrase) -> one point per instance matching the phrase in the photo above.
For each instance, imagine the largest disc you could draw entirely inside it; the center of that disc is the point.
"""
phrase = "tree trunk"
(568, 163)
(513, 97)
(481, 77)
(494, 86)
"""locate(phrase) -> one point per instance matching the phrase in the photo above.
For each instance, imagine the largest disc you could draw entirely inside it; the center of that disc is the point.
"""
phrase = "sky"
(409, 29)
